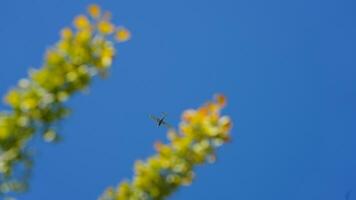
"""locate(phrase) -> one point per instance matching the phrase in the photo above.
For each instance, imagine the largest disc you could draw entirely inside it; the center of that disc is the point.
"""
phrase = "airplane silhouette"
(160, 120)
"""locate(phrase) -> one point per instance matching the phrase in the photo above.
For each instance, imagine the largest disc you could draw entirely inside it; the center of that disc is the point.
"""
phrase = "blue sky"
(287, 67)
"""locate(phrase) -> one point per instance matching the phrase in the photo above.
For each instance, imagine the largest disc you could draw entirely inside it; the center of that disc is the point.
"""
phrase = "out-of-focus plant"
(200, 133)
(38, 102)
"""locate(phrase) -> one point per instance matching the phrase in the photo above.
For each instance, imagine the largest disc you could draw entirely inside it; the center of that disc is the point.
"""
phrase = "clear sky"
(287, 67)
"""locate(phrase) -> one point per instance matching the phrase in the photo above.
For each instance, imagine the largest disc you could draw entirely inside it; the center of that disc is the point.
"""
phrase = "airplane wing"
(154, 118)
(167, 125)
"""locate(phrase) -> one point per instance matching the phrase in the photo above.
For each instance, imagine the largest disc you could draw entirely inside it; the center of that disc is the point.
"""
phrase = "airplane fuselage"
(160, 122)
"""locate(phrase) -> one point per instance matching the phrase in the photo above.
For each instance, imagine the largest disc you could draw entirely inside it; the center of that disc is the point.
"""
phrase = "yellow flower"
(29, 103)
(53, 57)
(22, 121)
(72, 76)
(122, 35)
(63, 46)
(40, 76)
(158, 146)
(5, 128)
(81, 22)
(13, 98)
(108, 51)
(225, 123)
(66, 33)
(105, 27)
(94, 10)
(106, 61)
(188, 115)
(49, 136)
(83, 36)
(62, 96)
(221, 100)
(4, 132)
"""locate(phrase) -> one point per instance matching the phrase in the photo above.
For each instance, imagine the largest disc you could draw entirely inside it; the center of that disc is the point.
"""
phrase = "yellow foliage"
(201, 132)
(37, 103)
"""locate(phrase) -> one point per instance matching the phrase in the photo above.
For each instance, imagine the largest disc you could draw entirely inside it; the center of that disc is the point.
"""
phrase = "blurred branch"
(200, 133)
(38, 102)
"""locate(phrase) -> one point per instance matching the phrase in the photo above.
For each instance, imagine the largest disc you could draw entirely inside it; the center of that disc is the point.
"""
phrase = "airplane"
(160, 120)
